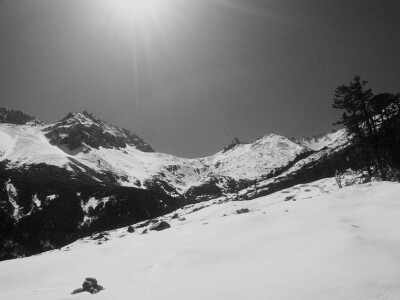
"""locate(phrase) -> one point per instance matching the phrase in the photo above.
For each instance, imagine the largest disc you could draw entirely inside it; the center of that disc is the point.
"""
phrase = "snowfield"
(311, 241)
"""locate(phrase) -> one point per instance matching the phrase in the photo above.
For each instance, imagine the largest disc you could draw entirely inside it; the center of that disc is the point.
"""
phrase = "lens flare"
(143, 10)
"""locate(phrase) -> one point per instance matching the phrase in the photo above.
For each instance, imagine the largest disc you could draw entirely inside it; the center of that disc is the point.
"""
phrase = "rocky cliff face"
(82, 131)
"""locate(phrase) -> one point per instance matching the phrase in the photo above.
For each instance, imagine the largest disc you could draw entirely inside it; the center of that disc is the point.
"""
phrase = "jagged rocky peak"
(233, 144)
(84, 118)
(17, 117)
(82, 131)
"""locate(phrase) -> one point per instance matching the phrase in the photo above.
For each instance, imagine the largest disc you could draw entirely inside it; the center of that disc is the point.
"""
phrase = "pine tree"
(386, 108)
(359, 121)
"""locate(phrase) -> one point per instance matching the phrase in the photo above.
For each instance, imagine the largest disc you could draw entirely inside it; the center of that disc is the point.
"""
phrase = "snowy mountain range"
(82, 141)
(95, 160)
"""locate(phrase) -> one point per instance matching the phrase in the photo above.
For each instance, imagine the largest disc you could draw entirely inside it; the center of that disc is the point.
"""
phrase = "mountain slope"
(87, 160)
(328, 244)
(82, 131)
(323, 140)
(81, 141)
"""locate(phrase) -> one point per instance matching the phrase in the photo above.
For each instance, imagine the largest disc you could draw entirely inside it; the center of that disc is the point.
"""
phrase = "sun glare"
(135, 17)
(138, 8)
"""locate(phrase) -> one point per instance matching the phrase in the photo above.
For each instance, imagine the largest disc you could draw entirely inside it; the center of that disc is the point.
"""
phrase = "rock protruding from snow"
(233, 144)
(242, 211)
(161, 225)
(89, 285)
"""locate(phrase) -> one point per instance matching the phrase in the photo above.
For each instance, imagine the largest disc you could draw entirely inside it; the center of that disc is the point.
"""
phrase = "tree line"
(372, 122)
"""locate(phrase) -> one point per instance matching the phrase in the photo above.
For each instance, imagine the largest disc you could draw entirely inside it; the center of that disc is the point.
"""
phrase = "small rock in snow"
(160, 226)
(242, 211)
(289, 198)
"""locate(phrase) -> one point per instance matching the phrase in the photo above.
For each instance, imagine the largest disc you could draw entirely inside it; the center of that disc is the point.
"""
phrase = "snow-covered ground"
(311, 241)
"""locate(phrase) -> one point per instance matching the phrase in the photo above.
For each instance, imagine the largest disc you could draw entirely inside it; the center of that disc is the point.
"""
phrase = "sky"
(190, 75)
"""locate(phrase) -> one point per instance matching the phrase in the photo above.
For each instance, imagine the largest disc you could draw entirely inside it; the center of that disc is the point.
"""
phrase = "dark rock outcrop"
(161, 225)
(242, 211)
(59, 220)
(232, 145)
(17, 117)
(79, 130)
(89, 285)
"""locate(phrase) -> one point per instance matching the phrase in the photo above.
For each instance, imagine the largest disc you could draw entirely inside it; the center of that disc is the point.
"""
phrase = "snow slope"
(327, 244)
(324, 140)
(250, 161)
(26, 144)
(7, 144)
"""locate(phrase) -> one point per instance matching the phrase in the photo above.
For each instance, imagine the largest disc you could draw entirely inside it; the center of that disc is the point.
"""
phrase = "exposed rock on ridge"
(78, 130)
(17, 117)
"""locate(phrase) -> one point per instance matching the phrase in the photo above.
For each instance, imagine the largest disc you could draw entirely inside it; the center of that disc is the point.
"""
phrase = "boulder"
(242, 211)
(89, 285)
(91, 279)
(161, 225)
(131, 229)
(86, 285)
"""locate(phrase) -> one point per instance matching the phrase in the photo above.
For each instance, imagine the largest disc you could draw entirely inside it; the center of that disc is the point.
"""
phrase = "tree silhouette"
(372, 122)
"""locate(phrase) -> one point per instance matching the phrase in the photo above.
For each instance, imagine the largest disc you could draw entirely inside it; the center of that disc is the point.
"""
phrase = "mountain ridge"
(83, 158)
(83, 139)
(17, 117)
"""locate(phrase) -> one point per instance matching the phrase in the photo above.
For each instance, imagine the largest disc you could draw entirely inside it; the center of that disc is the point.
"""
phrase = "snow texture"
(312, 241)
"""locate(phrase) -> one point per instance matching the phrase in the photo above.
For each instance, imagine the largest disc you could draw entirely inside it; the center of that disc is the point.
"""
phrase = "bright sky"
(189, 75)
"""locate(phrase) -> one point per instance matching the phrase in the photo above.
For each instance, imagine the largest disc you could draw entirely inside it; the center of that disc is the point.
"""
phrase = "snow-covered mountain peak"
(317, 142)
(83, 118)
(272, 140)
(251, 160)
(85, 130)
(85, 145)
